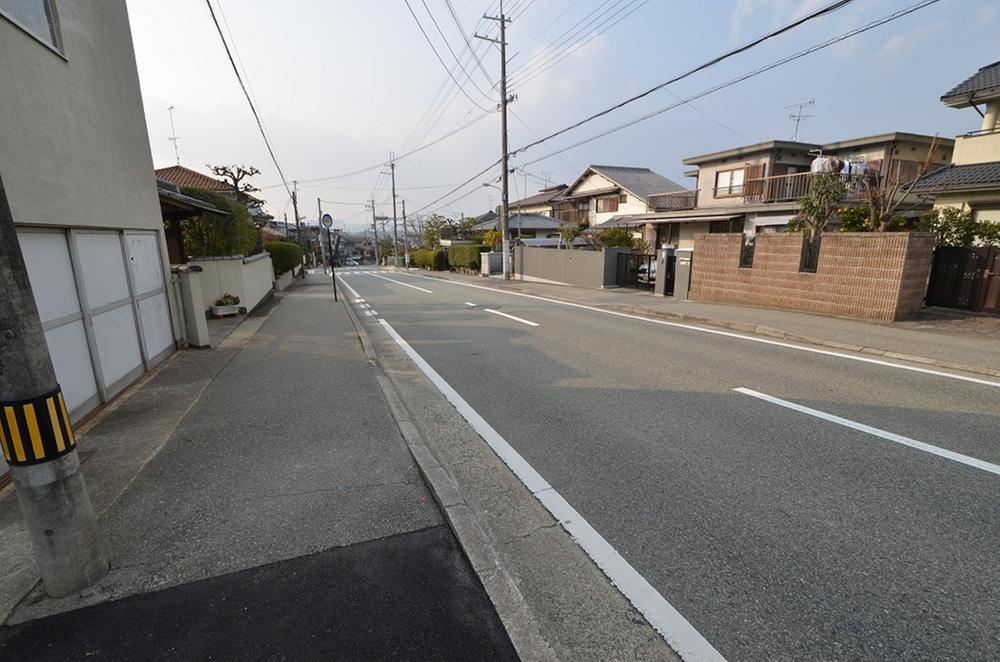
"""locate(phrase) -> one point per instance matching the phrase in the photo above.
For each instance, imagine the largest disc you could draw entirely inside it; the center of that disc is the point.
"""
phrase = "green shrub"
(616, 238)
(466, 255)
(211, 235)
(429, 258)
(285, 255)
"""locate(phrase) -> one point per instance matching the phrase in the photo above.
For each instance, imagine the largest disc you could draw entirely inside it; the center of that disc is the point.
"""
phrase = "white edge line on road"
(470, 304)
(728, 334)
(350, 289)
(675, 629)
(399, 282)
(890, 436)
(516, 319)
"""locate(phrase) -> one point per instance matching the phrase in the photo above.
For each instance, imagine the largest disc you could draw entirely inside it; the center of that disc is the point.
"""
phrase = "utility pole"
(395, 231)
(406, 240)
(798, 116)
(319, 216)
(37, 438)
(375, 232)
(504, 152)
(286, 226)
(298, 224)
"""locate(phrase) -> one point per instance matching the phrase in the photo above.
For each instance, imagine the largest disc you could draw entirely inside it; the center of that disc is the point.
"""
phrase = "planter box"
(222, 311)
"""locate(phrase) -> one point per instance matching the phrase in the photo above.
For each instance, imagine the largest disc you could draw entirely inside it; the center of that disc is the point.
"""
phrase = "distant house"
(186, 177)
(603, 192)
(523, 225)
(972, 180)
(756, 188)
(176, 207)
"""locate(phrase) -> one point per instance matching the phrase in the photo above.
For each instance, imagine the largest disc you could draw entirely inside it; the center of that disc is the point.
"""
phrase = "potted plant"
(227, 304)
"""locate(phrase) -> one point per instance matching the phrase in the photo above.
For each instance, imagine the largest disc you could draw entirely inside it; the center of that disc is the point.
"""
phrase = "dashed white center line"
(470, 304)
(883, 434)
(516, 319)
(399, 282)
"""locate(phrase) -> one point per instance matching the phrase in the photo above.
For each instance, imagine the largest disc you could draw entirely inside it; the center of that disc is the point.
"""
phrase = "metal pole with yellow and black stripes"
(36, 435)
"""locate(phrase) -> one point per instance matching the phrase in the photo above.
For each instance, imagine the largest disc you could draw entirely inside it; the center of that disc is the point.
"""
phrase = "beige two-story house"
(972, 181)
(605, 195)
(756, 188)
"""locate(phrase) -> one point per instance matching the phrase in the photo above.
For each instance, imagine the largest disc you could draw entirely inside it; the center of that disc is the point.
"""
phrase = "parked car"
(647, 275)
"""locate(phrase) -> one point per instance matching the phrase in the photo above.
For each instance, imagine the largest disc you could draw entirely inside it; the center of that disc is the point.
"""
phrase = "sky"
(339, 84)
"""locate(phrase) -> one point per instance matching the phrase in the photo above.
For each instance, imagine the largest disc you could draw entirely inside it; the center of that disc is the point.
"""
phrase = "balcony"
(977, 147)
(790, 188)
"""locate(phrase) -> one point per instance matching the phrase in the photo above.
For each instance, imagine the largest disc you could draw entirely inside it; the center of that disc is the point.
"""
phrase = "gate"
(636, 271)
(966, 278)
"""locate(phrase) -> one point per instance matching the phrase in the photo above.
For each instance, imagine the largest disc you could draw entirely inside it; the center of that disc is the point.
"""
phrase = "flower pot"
(222, 311)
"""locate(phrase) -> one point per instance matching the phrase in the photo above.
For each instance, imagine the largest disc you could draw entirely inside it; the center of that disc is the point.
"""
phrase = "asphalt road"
(778, 534)
(407, 597)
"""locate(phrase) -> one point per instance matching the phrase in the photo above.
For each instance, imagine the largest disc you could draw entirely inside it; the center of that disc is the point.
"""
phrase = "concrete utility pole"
(395, 231)
(375, 232)
(319, 217)
(36, 435)
(406, 240)
(298, 219)
(504, 152)
(286, 225)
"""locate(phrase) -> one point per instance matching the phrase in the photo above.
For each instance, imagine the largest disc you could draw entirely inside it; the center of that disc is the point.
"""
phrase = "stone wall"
(876, 276)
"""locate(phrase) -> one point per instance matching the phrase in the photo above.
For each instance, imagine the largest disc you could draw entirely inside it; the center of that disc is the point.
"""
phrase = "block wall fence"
(874, 276)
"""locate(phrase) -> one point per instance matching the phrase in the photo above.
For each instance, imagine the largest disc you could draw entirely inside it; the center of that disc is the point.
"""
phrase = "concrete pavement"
(283, 517)
(779, 535)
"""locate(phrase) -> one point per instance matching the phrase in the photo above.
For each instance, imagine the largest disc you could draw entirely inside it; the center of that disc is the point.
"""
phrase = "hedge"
(466, 255)
(285, 255)
(430, 258)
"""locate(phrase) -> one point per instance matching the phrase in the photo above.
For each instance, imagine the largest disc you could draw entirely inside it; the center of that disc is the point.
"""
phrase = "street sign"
(327, 221)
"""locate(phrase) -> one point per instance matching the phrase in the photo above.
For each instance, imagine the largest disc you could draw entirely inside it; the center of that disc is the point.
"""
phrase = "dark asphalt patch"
(408, 597)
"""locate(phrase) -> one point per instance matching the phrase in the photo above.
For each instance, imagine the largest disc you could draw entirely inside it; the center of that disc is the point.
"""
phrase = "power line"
(244, 86)
(705, 65)
(458, 61)
(460, 186)
(260, 125)
(610, 18)
(468, 44)
(438, 56)
(756, 72)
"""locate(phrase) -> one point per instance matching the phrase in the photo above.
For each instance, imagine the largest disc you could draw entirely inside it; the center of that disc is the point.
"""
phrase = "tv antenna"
(798, 115)
(173, 135)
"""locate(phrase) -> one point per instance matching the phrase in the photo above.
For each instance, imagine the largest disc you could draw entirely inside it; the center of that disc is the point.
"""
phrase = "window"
(729, 182)
(607, 204)
(35, 16)
(623, 198)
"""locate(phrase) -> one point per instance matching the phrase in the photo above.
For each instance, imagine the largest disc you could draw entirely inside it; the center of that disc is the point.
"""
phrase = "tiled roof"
(972, 175)
(522, 221)
(186, 177)
(540, 198)
(987, 79)
(170, 193)
(640, 181)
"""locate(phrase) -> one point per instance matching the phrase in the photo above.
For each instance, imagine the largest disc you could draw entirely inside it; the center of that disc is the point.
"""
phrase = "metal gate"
(966, 278)
(635, 270)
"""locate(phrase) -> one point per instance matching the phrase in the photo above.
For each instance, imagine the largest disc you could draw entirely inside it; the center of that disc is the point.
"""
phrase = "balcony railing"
(791, 188)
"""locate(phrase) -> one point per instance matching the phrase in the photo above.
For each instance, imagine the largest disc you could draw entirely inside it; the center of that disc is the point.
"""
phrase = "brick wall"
(877, 276)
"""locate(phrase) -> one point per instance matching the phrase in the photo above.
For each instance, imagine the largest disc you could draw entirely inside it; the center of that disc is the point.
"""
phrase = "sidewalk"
(283, 518)
(943, 338)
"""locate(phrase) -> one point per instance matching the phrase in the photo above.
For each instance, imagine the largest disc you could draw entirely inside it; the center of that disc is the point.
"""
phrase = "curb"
(759, 330)
(510, 605)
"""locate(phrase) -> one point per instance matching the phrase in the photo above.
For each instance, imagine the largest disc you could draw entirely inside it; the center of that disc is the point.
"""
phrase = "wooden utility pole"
(36, 435)
(298, 224)
(406, 240)
(374, 232)
(395, 231)
(504, 152)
